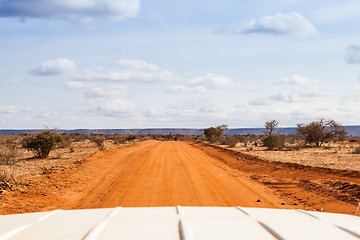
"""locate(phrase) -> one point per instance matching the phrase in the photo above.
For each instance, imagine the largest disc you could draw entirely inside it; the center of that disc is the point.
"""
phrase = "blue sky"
(156, 64)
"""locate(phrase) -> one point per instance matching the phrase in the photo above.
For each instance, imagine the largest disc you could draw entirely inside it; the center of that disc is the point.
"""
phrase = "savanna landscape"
(132, 119)
(97, 171)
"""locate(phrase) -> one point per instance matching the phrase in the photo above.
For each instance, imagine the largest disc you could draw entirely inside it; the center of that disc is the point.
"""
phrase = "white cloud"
(304, 90)
(353, 54)
(104, 99)
(126, 71)
(192, 111)
(298, 80)
(259, 102)
(305, 95)
(351, 98)
(79, 85)
(111, 91)
(185, 89)
(280, 24)
(113, 108)
(135, 65)
(79, 10)
(212, 81)
(13, 109)
(60, 66)
(202, 84)
(9, 109)
(286, 97)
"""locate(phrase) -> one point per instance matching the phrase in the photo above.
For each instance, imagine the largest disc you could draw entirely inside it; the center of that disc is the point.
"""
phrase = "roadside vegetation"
(319, 133)
(43, 143)
(49, 150)
(272, 140)
(321, 143)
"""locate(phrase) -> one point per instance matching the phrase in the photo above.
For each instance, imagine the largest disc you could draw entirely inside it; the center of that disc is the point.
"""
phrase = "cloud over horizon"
(279, 24)
(305, 90)
(202, 84)
(114, 108)
(80, 10)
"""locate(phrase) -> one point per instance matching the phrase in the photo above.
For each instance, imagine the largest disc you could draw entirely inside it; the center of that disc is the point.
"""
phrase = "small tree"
(318, 132)
(222, 129)
(42, 143)
(214, 133)
(272, 141)
(271, 127)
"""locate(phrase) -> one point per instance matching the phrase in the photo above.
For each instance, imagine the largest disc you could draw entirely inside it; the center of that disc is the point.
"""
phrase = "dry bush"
(274, 142)
(8, 149)
(179, 137)
(131, 137)
(5, 181)
(47, 170)
(249, 149)
(318, 132)
(293, 139)
(295, 147)
(8, 156)
(78, 137)
(168, 137)
(97, 139)
(200, 138)
(43, 143)
(356, 150)
(5, 176)
(118, 139)
(66, 140)
(230, 140)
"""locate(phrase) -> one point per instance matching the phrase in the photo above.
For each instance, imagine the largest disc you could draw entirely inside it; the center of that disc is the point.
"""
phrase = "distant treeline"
(352, 131)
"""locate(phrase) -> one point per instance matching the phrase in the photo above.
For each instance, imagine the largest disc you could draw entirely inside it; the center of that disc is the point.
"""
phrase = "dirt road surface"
(153, 173)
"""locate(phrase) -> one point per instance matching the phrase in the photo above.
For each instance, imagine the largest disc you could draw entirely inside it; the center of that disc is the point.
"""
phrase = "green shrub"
(131, 138)
(273, 142)
(213, 134)
(42, 143)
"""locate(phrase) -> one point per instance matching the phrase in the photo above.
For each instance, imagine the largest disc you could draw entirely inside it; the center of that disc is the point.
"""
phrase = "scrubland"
(294, 175)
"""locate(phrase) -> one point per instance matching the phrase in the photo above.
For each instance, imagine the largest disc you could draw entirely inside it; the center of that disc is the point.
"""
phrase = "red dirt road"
(152, 173)
(166, 174)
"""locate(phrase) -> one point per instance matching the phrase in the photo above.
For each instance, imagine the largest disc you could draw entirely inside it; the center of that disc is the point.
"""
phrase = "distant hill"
(352, 131)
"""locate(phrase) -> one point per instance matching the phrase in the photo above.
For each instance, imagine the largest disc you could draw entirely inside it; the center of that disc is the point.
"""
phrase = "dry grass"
(334, 155)
(18, 166)
(356, 150)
